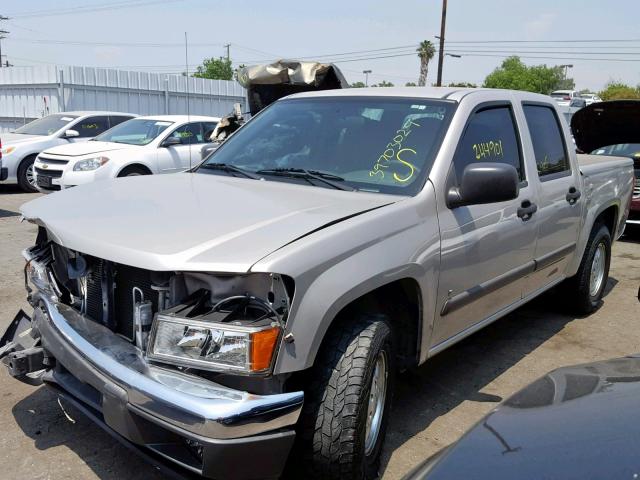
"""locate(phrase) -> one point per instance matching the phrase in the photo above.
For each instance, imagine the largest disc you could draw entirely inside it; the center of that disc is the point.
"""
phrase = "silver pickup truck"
(257, 309)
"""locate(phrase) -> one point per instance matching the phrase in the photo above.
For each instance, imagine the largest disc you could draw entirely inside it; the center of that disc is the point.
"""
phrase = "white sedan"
(142, 146)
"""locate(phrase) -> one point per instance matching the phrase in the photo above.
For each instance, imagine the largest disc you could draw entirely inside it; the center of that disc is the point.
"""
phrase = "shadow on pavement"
(42, 419)
(462, 371)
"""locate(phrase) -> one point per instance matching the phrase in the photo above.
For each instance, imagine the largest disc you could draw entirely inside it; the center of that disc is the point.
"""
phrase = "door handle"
(526, 210)
(573, 195)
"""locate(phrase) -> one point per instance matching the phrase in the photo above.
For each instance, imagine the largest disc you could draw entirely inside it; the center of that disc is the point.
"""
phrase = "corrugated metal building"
(27, 93)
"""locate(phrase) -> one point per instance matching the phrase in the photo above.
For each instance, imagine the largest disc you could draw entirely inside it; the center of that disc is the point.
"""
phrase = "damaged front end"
(178, 363)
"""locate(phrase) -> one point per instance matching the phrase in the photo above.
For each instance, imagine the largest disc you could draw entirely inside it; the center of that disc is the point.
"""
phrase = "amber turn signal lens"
(263, 344)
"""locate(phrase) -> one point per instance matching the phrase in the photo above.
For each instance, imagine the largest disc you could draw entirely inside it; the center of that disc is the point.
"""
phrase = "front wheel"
(26, 178)
(587, 287)
(347, 403)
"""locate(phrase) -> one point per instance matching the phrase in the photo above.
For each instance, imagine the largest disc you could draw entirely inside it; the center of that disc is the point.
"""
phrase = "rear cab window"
(547, 137)
(491, 135)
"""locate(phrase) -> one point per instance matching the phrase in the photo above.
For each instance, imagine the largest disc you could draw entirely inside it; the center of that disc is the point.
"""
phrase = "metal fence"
(27, 93)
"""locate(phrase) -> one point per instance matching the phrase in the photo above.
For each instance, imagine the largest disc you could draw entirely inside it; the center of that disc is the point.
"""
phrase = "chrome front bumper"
(179, 401)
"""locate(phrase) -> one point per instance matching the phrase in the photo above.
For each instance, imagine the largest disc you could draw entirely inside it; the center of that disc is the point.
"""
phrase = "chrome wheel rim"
(375, 407)
(597, 270)
(30, 177)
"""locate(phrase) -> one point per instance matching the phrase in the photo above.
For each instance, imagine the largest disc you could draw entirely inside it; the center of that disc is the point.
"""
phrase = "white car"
(141, 146)
(564, 97)
(591, 98)
(20, 148)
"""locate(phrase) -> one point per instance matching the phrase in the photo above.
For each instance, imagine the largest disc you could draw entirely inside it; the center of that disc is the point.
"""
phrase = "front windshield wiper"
(225, 167)
(324, 177)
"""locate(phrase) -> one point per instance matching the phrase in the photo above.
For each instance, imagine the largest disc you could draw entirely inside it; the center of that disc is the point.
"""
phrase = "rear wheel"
(587, 287)
(347, 405)
(26, 179)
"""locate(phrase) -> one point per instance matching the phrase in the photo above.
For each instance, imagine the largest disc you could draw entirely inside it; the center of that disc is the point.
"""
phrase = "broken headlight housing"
(239, 334)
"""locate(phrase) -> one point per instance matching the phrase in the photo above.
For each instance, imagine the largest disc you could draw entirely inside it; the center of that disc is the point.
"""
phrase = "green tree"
(426, 52)
(215, 69)
(410, 84)
(463, 85)
(383, 83)
(515, 75)
(357, 85)
(620, 91)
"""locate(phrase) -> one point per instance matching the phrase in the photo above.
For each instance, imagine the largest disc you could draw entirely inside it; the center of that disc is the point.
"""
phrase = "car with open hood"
(141, 146)
(259, 305)
(22, 146)
(606, 129)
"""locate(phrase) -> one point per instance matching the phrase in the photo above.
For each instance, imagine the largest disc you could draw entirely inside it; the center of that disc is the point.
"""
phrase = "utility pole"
(441, 53)
(366, 77)
(228, 46)
(2, 36)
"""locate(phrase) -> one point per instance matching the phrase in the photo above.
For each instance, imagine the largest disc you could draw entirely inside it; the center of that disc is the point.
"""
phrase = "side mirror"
(70, 134)
(171, 141)
(485, 182)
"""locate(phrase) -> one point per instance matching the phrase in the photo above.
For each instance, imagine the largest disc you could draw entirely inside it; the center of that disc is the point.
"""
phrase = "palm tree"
(426, 52)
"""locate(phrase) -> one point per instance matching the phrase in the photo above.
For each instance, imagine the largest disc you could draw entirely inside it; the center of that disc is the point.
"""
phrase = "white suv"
(564, 97)
(20, 148)
(141, 146)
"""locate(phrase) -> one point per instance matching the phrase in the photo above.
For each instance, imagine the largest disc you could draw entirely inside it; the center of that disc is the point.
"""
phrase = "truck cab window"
(548, 143)
(490, 136)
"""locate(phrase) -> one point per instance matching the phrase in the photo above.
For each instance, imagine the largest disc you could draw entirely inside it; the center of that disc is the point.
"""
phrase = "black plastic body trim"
(4, 174)
(474, 293)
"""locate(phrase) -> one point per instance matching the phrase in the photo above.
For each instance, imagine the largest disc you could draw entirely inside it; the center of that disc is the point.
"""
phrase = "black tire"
(577, 288)
(332, 427)
(25, 165)
(133, 171)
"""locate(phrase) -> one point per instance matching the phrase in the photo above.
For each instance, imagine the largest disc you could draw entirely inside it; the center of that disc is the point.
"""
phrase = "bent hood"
(191, 221)
(86, 148)
(606, 123)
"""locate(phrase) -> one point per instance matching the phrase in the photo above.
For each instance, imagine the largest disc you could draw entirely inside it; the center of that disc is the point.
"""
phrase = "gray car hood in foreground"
(191, 221)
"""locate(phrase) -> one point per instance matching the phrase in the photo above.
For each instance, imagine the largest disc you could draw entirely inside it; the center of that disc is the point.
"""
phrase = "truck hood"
(16, 138)
(192, 221)
(606, 123)
(86, 148)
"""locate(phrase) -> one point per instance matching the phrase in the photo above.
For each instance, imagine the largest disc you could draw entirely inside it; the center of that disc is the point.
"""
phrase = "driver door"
(181, 156)
(487, 250)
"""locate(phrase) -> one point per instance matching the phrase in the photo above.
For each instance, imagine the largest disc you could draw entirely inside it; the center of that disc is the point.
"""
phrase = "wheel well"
(608, 218)
(401, 302)
(27, 158)
(134, 166)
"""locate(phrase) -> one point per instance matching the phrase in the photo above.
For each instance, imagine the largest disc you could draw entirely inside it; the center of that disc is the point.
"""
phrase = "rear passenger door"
(486, 250)
(559, 199)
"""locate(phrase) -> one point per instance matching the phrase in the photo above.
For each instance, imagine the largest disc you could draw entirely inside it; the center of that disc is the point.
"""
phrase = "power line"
(91, 8)
(83, 43)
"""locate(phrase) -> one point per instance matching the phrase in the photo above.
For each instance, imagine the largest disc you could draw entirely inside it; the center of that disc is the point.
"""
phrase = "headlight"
(7, 150)
(38, 275)
(90, 164)
(213, 346)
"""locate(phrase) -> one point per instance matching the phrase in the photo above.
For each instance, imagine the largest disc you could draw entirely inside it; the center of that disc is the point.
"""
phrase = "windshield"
(621, 150)
(46, 125)
(134, 132)
(379, 144)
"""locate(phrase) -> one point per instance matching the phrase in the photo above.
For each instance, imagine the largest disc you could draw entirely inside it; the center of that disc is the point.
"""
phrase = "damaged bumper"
(195, 423)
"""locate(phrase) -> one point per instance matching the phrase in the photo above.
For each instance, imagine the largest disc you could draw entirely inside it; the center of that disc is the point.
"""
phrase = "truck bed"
(606, 177)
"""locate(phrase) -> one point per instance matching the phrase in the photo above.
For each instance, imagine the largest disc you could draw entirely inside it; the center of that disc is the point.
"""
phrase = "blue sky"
(261, 31)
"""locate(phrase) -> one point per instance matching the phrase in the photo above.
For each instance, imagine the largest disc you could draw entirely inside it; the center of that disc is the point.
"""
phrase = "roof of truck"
(453, 93)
